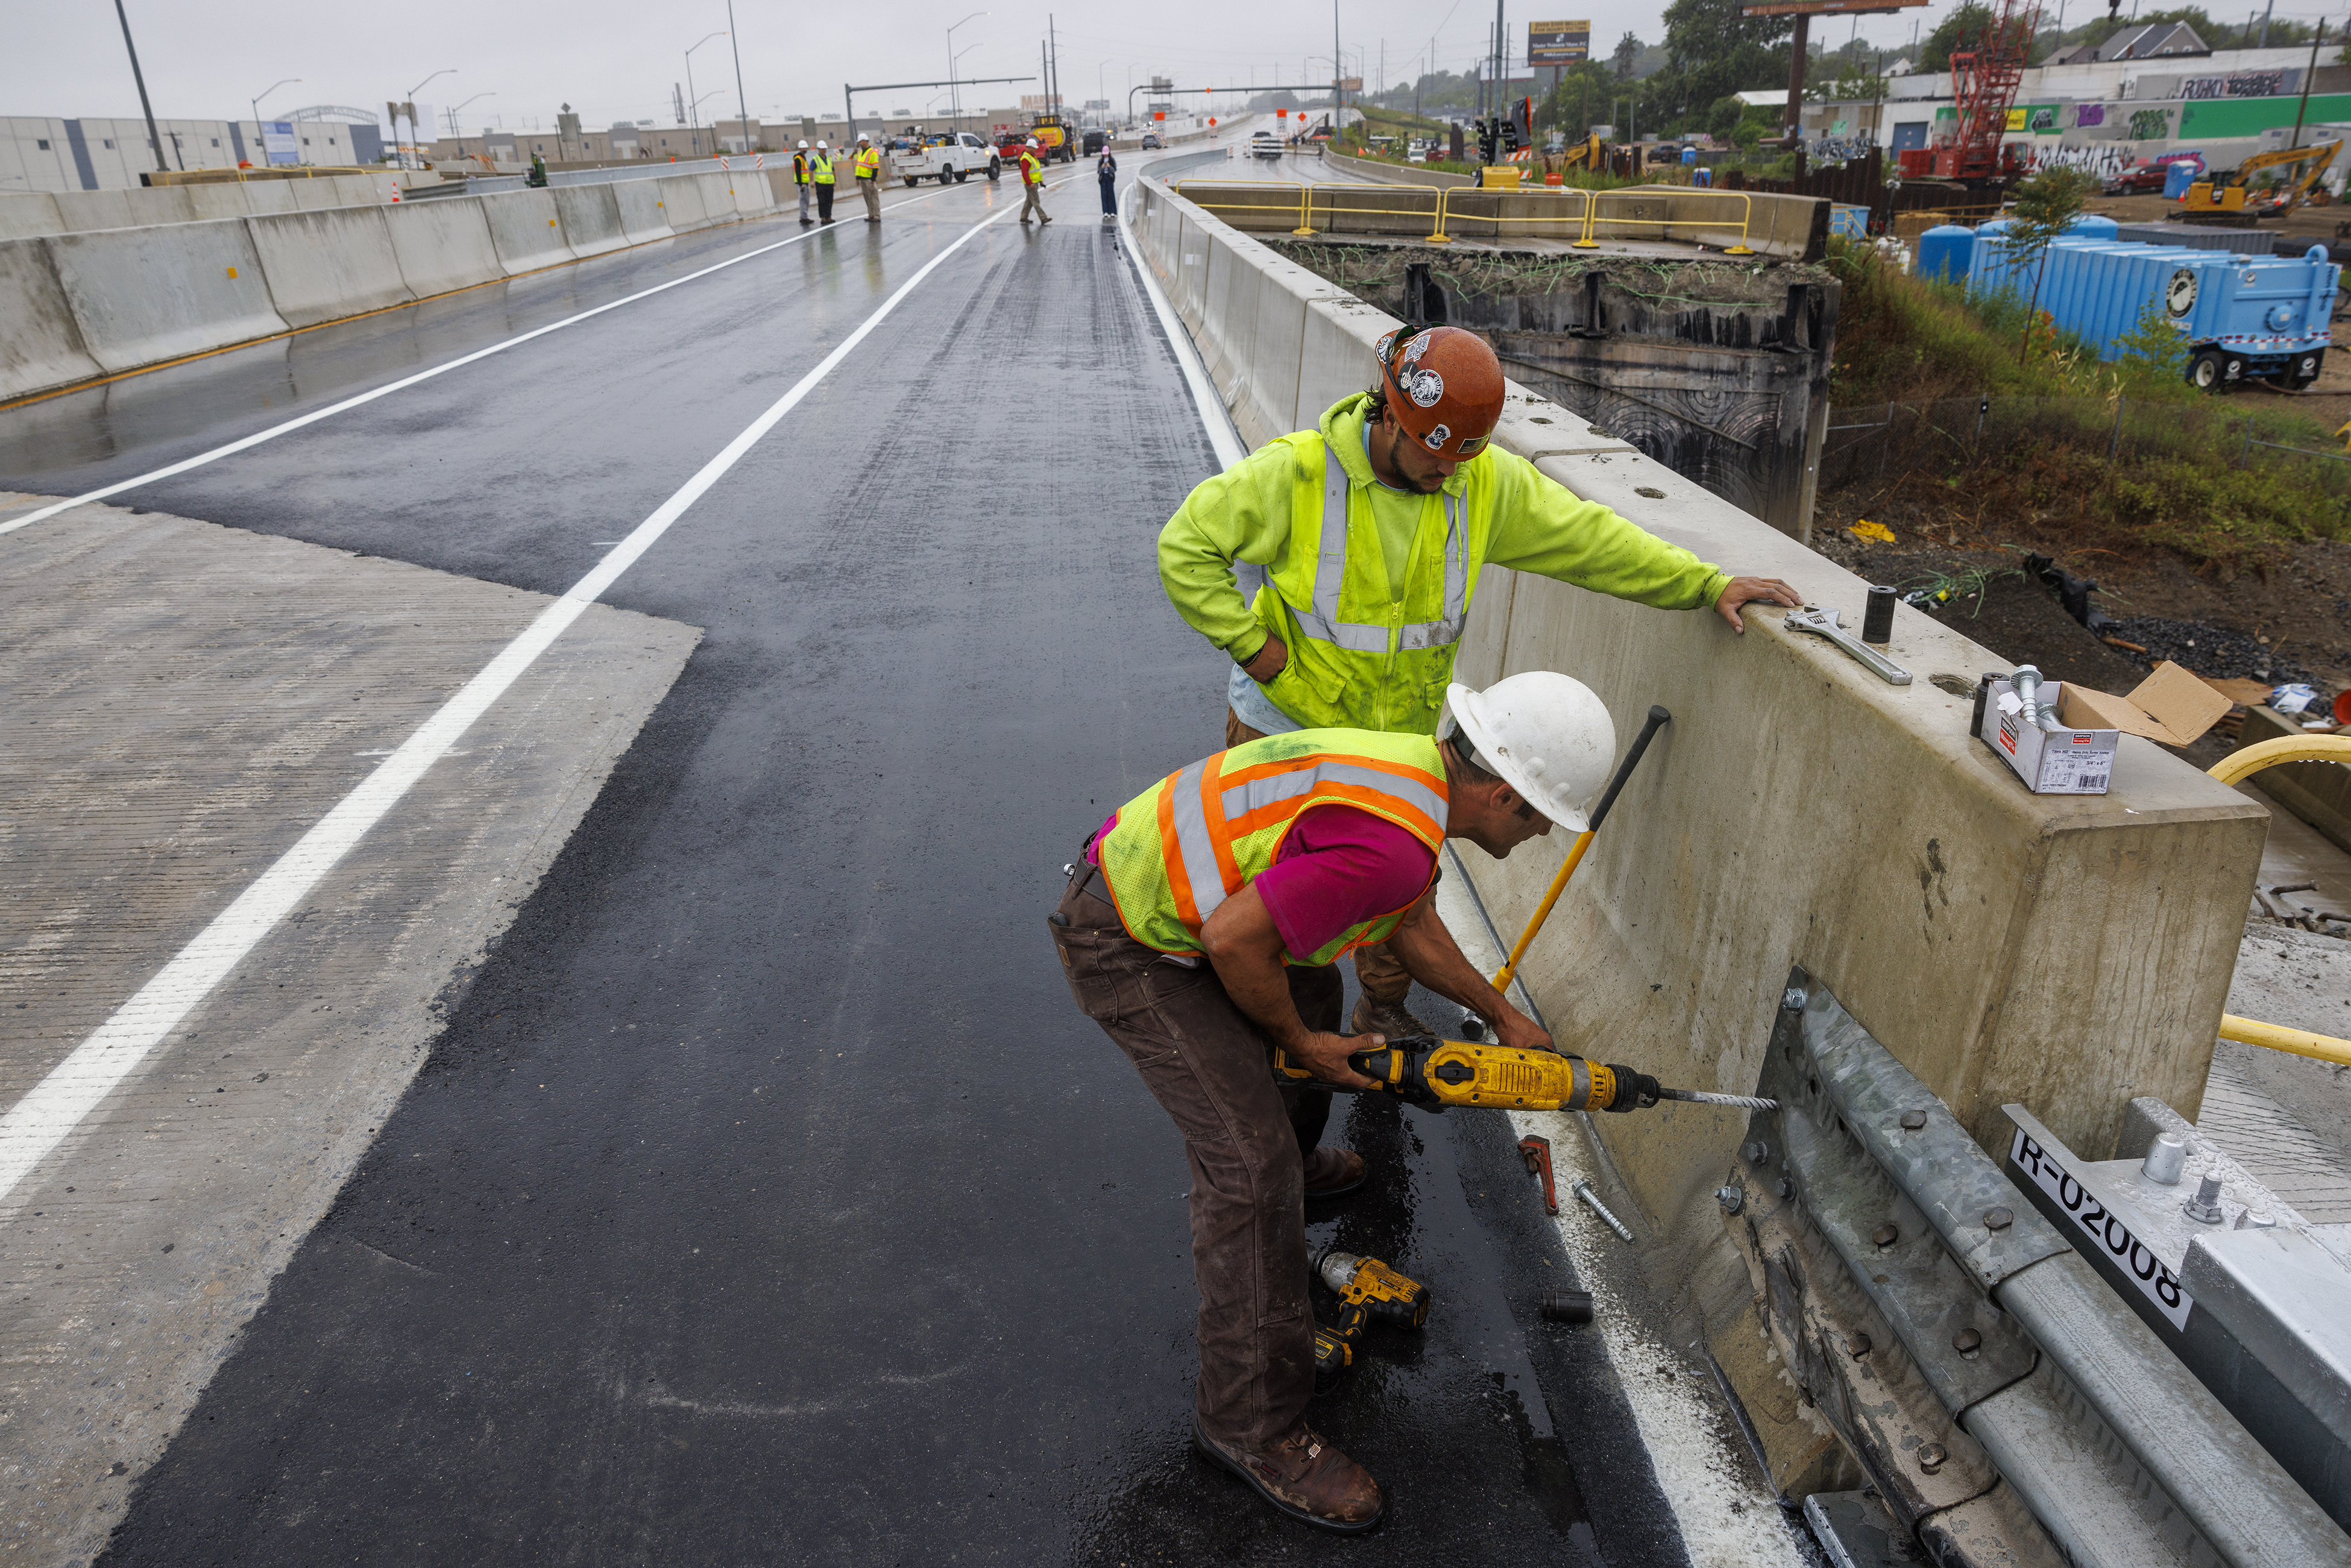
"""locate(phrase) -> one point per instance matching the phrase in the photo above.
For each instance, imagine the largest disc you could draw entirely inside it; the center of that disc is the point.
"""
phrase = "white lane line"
(76, 1087)
(274, 431)
(1222, 435)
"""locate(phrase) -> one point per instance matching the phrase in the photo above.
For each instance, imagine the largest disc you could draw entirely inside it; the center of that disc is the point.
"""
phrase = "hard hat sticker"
(1435, 439)
(1471, 446)
(1425, 387)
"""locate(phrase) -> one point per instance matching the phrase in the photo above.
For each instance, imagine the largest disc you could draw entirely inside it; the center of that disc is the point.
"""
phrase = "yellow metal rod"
(2300, 1041)
(1542, 911)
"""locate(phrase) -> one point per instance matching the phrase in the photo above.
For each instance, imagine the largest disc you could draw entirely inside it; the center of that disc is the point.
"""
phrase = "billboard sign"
(1557, 43)
(277, 142)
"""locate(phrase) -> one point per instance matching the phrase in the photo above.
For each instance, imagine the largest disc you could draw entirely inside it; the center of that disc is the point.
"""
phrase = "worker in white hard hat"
(820, 175)
(1033, 183)
(1336, 567)
(1199, 929)
(802, 177)
(869, 177)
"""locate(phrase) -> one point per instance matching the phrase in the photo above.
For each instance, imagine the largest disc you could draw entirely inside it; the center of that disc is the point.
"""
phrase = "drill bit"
(1700, 1097)
(1583, 1190)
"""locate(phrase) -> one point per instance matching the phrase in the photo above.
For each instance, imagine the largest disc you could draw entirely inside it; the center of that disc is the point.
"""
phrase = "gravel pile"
(2213, 651)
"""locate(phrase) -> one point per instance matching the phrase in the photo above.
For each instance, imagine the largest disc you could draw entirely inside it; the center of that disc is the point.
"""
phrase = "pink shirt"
(1337, 867)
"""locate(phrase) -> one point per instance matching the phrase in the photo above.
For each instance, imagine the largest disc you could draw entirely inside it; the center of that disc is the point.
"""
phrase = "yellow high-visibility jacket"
(822, 164)
(869, 162)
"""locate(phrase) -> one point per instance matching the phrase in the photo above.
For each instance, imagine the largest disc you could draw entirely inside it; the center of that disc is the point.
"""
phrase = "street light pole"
(411, 101)
(955, 97)
(255, 103)
(457, 135)
(693, 128)
(742, 104)
(154, 140)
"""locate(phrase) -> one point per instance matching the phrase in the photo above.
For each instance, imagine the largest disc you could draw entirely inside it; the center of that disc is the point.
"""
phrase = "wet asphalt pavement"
(767, 1199)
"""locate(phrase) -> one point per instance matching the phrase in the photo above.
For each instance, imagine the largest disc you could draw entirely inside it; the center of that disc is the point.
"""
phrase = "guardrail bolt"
(1733, 1198)
(2166, 1157)
(1787, 1190)
(2204, 1208)
(1856, 1345)
(1757, 1153)
(1792, 998)
(1966, 1342)
(1913, 1120)
(1931, 1457)
(1885, 1235)
(1998, 1219)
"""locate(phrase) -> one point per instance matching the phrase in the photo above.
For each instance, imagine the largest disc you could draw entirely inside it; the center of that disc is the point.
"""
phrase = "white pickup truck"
(941, 156)
(1266, 144)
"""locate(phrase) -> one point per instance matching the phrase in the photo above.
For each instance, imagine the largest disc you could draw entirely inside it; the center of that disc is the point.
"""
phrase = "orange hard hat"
(1444, 387)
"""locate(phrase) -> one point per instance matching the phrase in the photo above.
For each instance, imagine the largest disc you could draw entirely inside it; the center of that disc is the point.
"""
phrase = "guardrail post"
(1591, 205)
(1746, 223)
(1305, 229)
(1440, 236)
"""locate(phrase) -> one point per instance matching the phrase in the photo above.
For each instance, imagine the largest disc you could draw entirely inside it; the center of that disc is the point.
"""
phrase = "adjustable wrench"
(1822, 622)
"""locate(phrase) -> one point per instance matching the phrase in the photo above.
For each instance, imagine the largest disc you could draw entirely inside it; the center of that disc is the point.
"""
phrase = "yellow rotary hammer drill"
(1436, 1075)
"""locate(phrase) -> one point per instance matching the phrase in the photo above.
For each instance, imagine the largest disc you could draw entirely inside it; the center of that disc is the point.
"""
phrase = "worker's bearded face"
(1410, 465)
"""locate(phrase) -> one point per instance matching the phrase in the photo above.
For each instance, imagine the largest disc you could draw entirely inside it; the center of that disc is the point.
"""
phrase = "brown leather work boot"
(1393, 1020)
(1333, 1173)
(1305, 1477)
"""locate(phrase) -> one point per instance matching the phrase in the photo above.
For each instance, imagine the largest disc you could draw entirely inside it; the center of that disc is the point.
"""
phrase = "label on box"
(2076, 763)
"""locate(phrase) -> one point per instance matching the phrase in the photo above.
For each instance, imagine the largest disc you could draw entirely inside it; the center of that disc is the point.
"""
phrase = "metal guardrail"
(1886, 1215)
(1584, 222)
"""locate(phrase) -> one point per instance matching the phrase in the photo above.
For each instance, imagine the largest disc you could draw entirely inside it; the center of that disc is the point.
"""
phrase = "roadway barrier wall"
(28, 214)
(641, 217)
(324, 264)
(42, 346)
(681, 203)
(719, 195)
(751, 191)
(23, 212)
(442, 245)
(144, 295)
(2062, 952)
(590, 216)
(82, 210)
(526, 229)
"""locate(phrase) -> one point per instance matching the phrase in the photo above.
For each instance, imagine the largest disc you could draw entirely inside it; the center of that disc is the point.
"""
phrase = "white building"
(45, 154)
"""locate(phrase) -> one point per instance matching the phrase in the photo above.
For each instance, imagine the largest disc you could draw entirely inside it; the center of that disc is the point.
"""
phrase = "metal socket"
(2204, 1208)
(2165, 1159)
(1560, 1305)
(1877, 616)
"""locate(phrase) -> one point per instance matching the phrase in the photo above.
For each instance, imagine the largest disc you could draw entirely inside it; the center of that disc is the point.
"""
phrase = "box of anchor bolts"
(2170, 705)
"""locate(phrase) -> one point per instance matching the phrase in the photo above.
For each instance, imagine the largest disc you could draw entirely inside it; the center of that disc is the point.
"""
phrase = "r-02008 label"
(2133, 1257)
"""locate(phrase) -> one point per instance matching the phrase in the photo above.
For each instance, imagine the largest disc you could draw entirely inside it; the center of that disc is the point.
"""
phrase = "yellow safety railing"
(1332, 209)
(1182, 188)
(2232, 768)
(1681, 193)
(1444, 209)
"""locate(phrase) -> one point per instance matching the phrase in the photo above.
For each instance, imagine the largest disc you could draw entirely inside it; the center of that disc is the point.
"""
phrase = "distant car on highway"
(1096, 141)
(1151, 142)
(1265, 145)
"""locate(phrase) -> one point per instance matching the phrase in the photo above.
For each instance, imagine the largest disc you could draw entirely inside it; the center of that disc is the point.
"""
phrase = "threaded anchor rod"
(1583, 1190)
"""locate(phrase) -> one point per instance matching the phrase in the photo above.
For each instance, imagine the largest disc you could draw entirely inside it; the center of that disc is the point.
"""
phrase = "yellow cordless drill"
(1369, 1291)
(1438, 1073)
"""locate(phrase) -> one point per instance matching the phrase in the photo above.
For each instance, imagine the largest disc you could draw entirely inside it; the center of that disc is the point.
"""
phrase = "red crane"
(1983, 84)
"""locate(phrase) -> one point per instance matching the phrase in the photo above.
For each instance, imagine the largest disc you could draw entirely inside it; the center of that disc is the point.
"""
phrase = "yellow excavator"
(1590, 153)
(2227, 197)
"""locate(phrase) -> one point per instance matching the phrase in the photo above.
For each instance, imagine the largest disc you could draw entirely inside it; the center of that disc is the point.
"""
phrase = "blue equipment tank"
(1944, 252)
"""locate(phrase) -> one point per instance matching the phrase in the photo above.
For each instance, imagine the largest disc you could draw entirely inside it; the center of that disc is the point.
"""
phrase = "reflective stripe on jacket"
(799, 168)
(822, 164)
(869, 162)
(1201, 835)
(1031, 171)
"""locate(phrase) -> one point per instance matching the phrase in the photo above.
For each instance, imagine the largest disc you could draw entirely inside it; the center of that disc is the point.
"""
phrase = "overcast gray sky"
(616, 59)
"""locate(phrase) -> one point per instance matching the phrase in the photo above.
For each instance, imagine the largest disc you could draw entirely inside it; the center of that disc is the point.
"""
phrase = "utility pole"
(153, 139)
(2311, 71)
(2265, 24)
(742, 105)
(1502, 53)
(1339, 74)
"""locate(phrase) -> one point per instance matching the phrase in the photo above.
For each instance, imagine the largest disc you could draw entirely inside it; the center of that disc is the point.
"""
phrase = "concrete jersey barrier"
(442, 245)
(42, 344)
(526, 229)
(641, 217)
(590, 216)
(680, 203)
(324, 264)
(142, 296)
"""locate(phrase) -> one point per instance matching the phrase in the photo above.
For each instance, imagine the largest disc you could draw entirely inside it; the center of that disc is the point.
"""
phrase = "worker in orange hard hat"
(1336, 567)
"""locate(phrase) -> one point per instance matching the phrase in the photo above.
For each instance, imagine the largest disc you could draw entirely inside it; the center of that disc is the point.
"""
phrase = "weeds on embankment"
(1927, 391)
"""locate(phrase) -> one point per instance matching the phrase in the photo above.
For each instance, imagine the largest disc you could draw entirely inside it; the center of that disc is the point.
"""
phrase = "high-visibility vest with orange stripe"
(1196, 837)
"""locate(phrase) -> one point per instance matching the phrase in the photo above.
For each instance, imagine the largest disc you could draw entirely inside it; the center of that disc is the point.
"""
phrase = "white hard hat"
(803, 143)
(863, 137)
(820, 142)
(1033, 141)
(1545, 734)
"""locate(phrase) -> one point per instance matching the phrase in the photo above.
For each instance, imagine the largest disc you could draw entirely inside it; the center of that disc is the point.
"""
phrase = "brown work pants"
(1032, 200)
(872, 191)
(1378, 969)
(1246, 1138)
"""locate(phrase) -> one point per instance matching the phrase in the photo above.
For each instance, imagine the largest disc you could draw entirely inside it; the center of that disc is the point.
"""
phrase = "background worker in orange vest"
(800, 177)
(1199, 944)
(869, 178)
(1032, 184)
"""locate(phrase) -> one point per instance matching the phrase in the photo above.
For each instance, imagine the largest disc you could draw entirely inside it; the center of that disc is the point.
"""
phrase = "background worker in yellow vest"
(820, 175)
(1336, 566)
(1199, 930)
(1032, 184)
(869, 178)
(800, 177)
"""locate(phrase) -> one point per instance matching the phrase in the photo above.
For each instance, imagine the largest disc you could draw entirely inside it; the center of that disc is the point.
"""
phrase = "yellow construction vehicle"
(1589, 153)
(2227, 198)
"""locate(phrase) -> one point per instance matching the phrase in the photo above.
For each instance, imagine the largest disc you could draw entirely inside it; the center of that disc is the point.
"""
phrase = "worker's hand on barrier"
(1327, 1055)
(1273, 658)
(1751, 591)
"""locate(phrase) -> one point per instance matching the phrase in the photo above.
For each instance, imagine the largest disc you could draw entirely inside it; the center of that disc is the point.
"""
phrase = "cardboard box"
(2171, 706)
